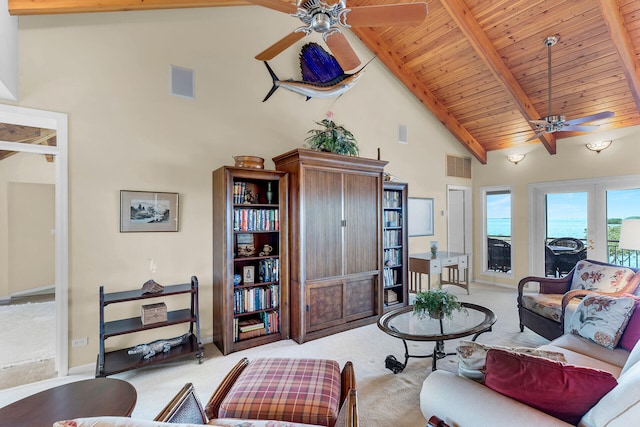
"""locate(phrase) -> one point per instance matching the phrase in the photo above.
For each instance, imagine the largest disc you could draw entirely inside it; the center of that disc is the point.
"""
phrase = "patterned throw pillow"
(602, 318)
(603, 278)
(472, 357)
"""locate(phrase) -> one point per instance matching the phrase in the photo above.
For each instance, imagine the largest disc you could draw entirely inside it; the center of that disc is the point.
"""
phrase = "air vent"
(182, 82)
(459, 167)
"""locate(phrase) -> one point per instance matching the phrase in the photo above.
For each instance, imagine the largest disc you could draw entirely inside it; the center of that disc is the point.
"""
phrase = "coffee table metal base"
(396, 366)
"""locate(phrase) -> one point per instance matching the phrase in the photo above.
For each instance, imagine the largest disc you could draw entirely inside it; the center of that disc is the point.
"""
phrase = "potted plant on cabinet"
(436, 303)
(332, 138)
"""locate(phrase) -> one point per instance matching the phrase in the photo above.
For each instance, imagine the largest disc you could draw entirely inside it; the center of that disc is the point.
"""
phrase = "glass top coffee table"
(402, 323)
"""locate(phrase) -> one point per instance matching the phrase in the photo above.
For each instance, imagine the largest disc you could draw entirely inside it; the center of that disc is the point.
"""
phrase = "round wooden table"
(87, 398)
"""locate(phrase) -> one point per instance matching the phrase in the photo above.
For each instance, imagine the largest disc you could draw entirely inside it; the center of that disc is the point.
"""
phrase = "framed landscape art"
(148, 211)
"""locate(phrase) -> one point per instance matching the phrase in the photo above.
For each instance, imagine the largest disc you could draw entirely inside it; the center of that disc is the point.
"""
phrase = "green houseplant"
(332, 138)
(436, 303)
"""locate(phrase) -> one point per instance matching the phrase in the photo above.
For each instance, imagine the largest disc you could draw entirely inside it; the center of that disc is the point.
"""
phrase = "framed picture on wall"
(148, 211)
(420, 216)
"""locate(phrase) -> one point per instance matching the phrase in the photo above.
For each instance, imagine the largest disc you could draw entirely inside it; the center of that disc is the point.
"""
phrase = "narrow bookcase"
(395, 245)
(250, 258)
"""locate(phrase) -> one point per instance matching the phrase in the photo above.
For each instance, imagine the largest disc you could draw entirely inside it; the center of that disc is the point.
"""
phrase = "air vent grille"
(459, 167)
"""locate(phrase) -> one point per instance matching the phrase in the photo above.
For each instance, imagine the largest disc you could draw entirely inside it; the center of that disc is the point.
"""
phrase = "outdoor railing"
(617, 256)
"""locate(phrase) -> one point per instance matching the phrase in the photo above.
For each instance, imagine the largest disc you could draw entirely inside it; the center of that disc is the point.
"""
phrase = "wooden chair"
(499, 255)
(184, 408)
(556, 294)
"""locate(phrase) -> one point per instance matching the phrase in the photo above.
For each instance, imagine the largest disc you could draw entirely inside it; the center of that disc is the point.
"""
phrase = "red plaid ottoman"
(296, 390)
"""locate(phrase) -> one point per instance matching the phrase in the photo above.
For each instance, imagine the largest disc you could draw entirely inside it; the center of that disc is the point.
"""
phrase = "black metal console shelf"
(116, 361)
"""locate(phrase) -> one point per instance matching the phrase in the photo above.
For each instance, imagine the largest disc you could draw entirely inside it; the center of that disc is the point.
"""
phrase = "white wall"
(110, 73)
(22, 168)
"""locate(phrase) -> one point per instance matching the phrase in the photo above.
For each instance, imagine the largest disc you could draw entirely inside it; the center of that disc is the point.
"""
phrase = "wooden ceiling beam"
(622, 41)
(395, 65)
(47, 7)
(476, 36)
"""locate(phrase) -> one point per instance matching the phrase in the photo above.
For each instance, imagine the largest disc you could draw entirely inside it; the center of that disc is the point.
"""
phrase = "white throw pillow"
(603, 278)
(472, 357)
(602, 318)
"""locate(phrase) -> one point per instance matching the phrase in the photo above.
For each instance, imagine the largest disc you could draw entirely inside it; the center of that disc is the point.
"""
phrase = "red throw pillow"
(564, 391)
(631, 333)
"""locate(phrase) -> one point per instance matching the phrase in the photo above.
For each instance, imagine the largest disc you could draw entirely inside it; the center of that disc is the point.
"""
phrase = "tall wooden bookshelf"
(395, 245)
(250, 258)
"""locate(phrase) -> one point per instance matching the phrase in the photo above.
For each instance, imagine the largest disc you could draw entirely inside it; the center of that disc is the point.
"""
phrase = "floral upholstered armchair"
(545, 311)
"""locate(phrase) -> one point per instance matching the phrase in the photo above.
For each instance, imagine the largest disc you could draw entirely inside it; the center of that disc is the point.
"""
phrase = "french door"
(588, 210)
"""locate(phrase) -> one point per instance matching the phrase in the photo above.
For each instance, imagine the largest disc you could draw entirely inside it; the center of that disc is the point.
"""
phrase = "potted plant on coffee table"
(436, 303)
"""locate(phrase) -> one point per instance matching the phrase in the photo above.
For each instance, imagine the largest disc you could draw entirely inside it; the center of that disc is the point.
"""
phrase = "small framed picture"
(148, 211)
(248, 274)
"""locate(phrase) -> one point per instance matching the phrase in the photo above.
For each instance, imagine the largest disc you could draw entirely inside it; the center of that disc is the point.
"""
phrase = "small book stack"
(249, 328)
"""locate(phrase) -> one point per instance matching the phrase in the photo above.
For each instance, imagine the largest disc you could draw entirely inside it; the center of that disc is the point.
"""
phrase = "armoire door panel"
(362, 214)
(323, 224)
(325, 305)
(361, 298)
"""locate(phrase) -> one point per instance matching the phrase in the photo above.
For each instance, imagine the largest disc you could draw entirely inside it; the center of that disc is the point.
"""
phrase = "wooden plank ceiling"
(481, 65)
(26, 135)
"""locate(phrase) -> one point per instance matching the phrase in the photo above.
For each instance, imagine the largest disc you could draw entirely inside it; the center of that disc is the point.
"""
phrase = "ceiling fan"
(328, 18)
(553, 123)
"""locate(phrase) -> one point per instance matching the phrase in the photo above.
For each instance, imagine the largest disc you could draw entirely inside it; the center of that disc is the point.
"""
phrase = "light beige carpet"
(385, 399)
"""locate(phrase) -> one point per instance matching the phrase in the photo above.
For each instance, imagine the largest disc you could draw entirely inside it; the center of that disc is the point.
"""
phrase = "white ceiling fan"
(553, 123)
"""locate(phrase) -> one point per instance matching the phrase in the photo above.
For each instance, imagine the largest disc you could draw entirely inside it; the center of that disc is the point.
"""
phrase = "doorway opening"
(578, 219)
(42, 134)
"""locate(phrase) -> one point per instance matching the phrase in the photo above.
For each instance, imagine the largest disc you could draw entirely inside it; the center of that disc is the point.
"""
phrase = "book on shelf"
(388, 277)
(251, 324)
(252, 219)
(269, 270)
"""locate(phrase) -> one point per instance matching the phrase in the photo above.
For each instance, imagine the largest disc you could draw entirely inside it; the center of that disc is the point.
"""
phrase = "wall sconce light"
(515, 158)
(598, 146)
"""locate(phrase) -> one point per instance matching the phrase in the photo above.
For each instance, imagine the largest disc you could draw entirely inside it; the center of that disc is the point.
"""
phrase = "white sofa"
(462, 402)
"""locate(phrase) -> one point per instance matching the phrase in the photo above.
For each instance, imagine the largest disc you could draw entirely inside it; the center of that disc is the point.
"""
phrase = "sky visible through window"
(566, 212)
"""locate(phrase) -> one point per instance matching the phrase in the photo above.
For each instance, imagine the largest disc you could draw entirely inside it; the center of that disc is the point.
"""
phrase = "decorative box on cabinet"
(113, 362)
(250, 258)
(335, 237)
(395, 245)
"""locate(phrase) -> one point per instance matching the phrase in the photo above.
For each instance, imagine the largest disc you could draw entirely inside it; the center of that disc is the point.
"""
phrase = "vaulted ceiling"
(480, 66)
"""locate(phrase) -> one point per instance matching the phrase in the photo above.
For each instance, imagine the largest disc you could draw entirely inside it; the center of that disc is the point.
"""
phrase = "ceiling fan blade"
(576, 128)
(387, 15)
(591, 118)
(279, 46)
(279, 5)
(342, 51)
(537, 135)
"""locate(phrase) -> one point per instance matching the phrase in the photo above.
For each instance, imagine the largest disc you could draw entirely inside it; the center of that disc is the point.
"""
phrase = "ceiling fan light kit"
(598, 146)
(516, 158)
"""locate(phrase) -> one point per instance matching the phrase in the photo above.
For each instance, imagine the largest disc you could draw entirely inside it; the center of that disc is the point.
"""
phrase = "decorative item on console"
(159, 346)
